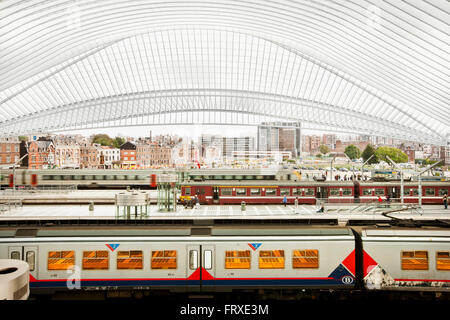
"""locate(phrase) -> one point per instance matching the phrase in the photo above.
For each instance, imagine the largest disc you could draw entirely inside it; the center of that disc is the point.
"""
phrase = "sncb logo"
(347, 280)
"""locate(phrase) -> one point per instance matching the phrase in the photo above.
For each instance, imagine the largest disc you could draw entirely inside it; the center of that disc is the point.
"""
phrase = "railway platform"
(336, 212)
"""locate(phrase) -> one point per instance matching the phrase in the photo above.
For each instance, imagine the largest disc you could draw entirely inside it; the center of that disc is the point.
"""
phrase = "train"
(310, 192)
(232, 186)
(143, 179)
(231, 258)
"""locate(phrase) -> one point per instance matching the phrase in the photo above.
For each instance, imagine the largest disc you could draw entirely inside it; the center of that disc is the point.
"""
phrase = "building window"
(237, 259)
(414, 260)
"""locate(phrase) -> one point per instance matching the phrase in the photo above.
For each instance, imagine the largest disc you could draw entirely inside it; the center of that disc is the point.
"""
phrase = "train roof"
(426, 232)
(174, 232)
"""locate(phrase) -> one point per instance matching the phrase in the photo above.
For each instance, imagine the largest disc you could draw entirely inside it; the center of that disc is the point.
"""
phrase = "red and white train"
(307, 192)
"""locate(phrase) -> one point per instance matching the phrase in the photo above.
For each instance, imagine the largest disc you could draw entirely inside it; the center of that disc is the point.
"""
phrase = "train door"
(28, 254)
(322, 193)
(356, 191)
(200, 267)
(216, 195)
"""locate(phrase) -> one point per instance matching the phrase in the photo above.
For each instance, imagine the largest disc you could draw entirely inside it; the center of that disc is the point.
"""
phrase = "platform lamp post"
(331, 168)
(362, 167)
(353, 165)
(402, 184)
(420, 180)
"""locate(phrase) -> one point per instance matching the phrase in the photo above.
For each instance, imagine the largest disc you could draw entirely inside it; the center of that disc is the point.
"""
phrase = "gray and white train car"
(186, 258)
(406, 259)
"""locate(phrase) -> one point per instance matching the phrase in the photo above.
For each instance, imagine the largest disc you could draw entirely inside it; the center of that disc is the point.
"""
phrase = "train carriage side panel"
(398, 259)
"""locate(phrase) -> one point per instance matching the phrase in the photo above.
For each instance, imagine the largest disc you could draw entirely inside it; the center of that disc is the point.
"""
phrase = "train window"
(120, 177)
(255, 191)
(367, 192)
(56, 177)
(271, 192)
(346, 192)
(415, 191)
(226, 191)
(60, 260)
(95, 260)
(187, 191)
(259, 177)
(77, 177)
(67, 177)
(30, 258)
(241, 191)
(237, 259)
(239, 177)
(228, 177)
(129, 259)
(334, 192)
(249, 178)
(193, 259)
(271, 259)
(443, 260)
(443, 191)
(406, 191)
(305, 259)
(285, 191)
(98, 177)
(429, 191)
(164, 259)
(296, 191)
(379, 192)
(46, 177)
(109, 177)
(88, 177)
(309, 191)
(207, 258)
(141, 177)
(218, 177)
(15, 255)
(414, 260)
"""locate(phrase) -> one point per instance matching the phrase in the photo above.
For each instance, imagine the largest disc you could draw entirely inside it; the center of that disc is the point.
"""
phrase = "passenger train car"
(230, 258)
(307, 192)
(88, 178)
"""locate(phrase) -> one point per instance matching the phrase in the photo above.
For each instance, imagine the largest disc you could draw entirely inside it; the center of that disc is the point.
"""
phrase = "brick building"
(9, 151)
(128, 155)
(41, 155)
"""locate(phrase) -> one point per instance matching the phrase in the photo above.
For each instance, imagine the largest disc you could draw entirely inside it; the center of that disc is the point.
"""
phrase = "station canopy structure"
(358, 66)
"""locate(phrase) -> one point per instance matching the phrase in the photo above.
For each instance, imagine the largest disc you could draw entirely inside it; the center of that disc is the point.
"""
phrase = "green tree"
(352, 152)
(324, 149)
(118, 141)
(397, 155)
(368, 152)
(103, 139)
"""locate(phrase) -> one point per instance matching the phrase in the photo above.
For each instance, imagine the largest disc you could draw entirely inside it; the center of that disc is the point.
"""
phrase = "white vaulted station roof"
(357, 66)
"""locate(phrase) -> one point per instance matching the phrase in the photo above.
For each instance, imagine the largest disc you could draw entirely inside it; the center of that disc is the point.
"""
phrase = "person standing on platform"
(445, 200)
(197, 202)
(296, 205)
(285, 201)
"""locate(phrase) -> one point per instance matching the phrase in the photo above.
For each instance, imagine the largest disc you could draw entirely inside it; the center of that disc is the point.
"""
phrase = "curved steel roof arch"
(400, 58)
